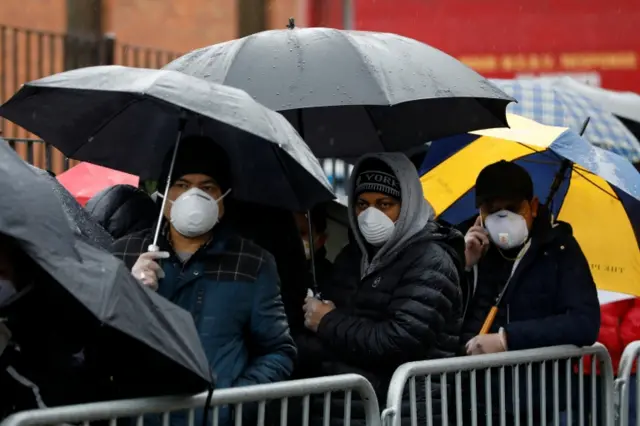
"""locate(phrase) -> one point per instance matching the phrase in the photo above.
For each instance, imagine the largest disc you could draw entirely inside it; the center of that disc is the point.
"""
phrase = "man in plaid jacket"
(228, 283)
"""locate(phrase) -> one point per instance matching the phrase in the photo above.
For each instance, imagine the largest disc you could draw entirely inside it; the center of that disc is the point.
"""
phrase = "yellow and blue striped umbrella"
(599, 194)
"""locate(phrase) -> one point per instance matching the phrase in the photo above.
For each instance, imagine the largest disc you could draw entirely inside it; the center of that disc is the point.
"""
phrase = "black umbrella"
(393, 92)
(79, 218)
(128, 119)
(143, 336)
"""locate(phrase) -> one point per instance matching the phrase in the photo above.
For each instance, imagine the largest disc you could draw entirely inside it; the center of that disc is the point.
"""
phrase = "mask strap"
(224, 195)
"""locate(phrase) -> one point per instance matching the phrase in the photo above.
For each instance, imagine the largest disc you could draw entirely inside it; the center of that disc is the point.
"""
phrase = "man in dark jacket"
(534, 268)
(228, 283)
(395, 296)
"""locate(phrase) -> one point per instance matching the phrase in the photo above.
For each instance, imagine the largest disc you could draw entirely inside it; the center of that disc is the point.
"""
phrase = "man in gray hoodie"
(395, 293)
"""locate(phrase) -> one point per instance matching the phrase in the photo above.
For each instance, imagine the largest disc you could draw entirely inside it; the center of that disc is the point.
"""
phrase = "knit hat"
(503, 180)
(198, 155)
(377, 176)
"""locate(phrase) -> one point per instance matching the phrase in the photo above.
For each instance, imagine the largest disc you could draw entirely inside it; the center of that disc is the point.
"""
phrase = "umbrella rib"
(106, 123)
(615, 197)
(370, 69)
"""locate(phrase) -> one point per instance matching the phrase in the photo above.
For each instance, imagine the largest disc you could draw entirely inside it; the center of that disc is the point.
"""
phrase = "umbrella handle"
(182, 124)
(488, 322)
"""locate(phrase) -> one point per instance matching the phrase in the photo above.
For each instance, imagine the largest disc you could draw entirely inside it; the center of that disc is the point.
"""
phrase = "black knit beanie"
(201, 155)
(377, 176)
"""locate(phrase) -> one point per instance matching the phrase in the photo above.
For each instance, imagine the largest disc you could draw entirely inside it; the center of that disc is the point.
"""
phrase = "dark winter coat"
(123, 210)
(231, 288)
(551, 299)
(403, 304)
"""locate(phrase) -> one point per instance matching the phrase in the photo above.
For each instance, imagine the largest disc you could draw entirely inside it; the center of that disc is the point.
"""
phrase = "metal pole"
(252, 16)
(348, 19)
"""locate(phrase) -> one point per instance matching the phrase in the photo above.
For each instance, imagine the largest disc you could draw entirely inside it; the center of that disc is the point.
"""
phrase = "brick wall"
(174, 25)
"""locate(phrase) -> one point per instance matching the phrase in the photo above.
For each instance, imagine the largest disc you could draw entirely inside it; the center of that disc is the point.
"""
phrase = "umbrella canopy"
(153, 335)
(353, 92)
(128, 119)
(624, 105)
(79, 219)
(556, 105)
(599, 195)
(85, 180)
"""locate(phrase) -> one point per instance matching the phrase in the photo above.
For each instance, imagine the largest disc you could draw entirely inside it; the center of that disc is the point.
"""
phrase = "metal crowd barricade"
(558, 361)
(629, 358)
(236, 397)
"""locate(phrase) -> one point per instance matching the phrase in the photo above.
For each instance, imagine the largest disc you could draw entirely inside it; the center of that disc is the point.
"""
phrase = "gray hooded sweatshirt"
(415, 210)
(405, 303)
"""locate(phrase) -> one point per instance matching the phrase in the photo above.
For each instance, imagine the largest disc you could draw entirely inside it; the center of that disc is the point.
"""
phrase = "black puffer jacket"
(123, 210)
(405, 304)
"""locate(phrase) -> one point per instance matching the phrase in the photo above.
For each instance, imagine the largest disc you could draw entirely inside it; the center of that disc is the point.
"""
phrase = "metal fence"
(490, 392)
(28, 55)
(551, 371)
(301, 390)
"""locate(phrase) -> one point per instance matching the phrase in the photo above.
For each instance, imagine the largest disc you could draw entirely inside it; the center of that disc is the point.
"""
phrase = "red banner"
(597, 41)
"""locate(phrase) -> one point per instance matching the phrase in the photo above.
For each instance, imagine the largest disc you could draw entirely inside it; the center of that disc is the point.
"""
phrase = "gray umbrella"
(128, 119)
(393, 92)
(79, 219)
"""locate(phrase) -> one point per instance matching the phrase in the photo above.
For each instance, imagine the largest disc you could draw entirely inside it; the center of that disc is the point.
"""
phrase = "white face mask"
(375, 226)
(7, 290)
(507, 229)
(195, 212)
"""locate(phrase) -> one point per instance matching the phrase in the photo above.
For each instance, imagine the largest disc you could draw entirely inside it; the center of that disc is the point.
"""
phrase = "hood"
(415, 211)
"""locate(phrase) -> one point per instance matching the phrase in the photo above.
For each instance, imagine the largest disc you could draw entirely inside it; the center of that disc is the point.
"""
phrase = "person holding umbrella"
(396, 295)
(228, 283)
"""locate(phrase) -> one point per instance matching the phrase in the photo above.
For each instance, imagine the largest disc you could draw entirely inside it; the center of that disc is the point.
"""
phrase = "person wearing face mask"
(395, 294)
(228, 283)
(530, 282)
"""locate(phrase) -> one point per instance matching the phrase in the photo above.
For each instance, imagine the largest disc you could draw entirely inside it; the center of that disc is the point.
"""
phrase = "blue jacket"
(231, 287)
